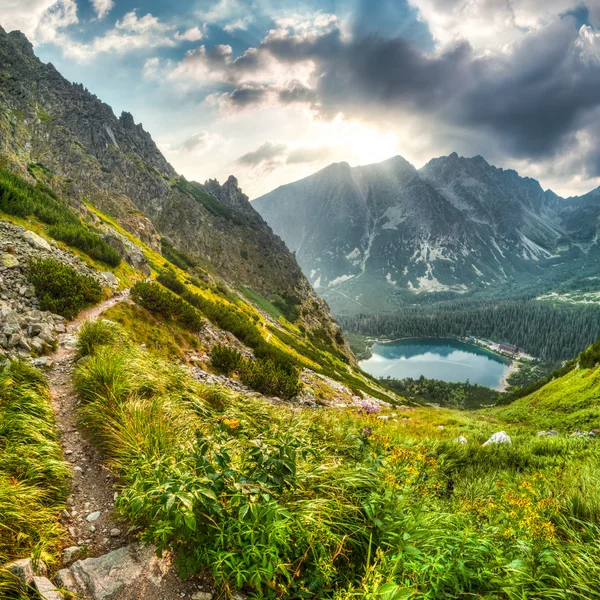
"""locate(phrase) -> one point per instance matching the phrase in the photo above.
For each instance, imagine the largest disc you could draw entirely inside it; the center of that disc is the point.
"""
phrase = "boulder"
(25, 570)
(138, 261)
(36, 241)
(9, 261)
(129, 572)
(110, 279)
(46, 589)
(500, 437)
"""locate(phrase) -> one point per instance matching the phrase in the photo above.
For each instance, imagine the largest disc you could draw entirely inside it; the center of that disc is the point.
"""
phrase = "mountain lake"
(445, 359)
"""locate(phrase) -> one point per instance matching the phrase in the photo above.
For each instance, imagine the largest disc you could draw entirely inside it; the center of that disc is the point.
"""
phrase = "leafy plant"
(287, 503)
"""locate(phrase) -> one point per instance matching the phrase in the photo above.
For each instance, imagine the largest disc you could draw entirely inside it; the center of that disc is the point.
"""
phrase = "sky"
(274, 90)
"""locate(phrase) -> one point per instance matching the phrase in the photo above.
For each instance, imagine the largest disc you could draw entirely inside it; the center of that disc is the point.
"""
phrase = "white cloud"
(490, 25)
(239, 24)
(224, 11)
(131, 33)
(23, 16)
(54, 20)
(191, 35)
(102, 7)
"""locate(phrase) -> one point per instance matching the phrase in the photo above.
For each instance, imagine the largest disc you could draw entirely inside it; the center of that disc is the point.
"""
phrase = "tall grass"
(33, 475)
(299, 504)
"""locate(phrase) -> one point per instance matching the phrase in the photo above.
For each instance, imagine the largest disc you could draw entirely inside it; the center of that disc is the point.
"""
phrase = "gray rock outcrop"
(25, 330)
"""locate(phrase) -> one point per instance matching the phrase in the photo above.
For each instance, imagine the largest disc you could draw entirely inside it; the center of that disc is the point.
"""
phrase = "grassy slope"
(33, 475)
(341, 504)
(567, 402)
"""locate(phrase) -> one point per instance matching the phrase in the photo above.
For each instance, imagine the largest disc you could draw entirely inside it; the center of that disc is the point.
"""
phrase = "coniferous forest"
(549, 331)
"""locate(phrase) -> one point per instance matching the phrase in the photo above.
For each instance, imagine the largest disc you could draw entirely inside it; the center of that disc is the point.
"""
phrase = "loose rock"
(500, 437)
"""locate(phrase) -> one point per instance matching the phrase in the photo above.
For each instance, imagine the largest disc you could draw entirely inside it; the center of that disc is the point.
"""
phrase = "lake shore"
(514, 366)
(481, 347)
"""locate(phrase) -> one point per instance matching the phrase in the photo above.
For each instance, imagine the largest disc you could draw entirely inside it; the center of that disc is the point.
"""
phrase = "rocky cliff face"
(113, 163)
(369, 236)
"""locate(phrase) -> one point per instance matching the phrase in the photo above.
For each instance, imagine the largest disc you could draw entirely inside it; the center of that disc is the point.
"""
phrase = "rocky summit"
(370, 237)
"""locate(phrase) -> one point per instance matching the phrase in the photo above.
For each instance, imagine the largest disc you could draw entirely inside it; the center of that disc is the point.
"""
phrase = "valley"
(182, 414)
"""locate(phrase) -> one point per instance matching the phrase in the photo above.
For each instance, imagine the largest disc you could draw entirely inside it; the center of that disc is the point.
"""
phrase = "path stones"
(8, 260)
(93, 516)
(71, 553)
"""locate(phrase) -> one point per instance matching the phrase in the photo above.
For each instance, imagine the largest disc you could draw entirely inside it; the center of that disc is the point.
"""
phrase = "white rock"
(93, 516)
(46, 589)
(500, 437)
(461, 439)
(36, 241)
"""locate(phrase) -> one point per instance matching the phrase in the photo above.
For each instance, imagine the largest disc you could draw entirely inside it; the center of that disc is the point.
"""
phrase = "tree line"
(549, 331)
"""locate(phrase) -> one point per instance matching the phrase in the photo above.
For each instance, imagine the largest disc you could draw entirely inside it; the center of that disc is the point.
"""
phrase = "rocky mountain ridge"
(368, 237)
(113, 164)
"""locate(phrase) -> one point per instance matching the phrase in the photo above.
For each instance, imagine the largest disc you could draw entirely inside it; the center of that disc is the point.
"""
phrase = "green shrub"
(60, 289)
(21, 199)
(169, 279)
(81, 237)
(225, 359)
(158, 299)
(177, 257)
(264, 375)
(270, 378)
(590, 357)
(288, 306)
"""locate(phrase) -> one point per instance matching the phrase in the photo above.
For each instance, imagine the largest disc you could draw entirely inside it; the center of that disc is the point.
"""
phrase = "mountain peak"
(19, 39)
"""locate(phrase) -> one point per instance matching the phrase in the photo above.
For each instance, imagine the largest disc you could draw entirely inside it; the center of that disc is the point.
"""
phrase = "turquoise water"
(448, 360)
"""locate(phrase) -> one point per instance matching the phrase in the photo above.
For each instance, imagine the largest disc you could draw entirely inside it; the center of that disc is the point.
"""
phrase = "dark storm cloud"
(246, 95)
(537, 98)
(531, 99)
